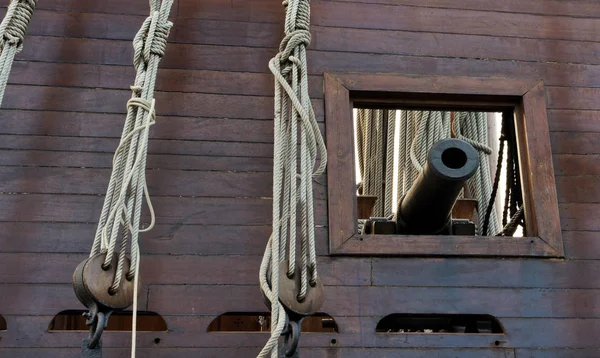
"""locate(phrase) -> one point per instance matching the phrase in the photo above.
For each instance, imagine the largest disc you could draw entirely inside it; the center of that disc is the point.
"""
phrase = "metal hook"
(97, 329)
(292, 338)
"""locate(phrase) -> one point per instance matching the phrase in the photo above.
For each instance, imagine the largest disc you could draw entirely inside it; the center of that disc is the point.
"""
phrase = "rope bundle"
(418, 132)
(12, 35)
(127, 186)
(292, 191)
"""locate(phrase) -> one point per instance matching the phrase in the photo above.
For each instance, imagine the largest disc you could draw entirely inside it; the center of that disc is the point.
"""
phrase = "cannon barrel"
(427, 206)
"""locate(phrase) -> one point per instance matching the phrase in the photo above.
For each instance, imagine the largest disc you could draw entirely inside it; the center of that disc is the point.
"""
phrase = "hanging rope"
(12, 35)
(127, 186)
(292, 190)
(472, 128)
(376, 155)
(419, 131)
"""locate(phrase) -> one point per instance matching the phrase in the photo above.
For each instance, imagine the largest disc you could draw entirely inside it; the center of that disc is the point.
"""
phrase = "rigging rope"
(292, 190)
(472, 128)
(127, 188)
(419, 131)
(12, 35)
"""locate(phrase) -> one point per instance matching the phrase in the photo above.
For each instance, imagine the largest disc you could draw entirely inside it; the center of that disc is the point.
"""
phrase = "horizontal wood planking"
(486, 272)
(191, 300)
(22, 237)
(45, 299)
(544, 7)
(332, 352)
(109, 6)
(226, 58)
(564, 353)
(576, 216)
(190, 331)
(584, 245)
(167, 268)
(233, 182)
(353, 14)
(232, 83)
(564, 165)
(175, 270)
(86, 124)
(169, 210)
(27, 237)
(181, 183)
(208, 211)
(108, 145)
(239, 10)
(407, 40)
(113, 101)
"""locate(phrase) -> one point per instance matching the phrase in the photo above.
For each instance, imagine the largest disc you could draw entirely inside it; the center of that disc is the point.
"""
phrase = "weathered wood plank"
(396, 17)
(169, 210)
(546, 7)
(66, 159)
(27, 237)
(410, 39)
(161, 182)
(579, 216)
(568, 164)
(332, 352)
(556, 353)
(486, 272)
(227, 58)
(45, 299)
(108, 145)
(564, 165)
(190, 331)
(170, 103)
(583, 245)
(578, 189)
(574, 120)
(175, 270)
(110, 6)
(575, 143)
(381, 301)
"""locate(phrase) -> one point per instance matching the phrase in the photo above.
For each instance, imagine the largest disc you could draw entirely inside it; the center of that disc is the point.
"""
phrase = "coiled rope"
(12, 35)
(127, 188)
(292, 190)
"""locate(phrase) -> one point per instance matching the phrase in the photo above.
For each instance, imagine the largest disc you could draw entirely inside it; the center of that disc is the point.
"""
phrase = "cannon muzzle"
(426, 209)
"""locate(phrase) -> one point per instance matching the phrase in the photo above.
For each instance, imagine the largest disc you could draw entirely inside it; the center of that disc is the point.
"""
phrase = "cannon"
(427, 206)
(426, 209)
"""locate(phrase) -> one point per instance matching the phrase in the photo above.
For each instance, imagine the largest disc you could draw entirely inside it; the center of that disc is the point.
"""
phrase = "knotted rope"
(12, 35)
(127, 186)
(292, 191)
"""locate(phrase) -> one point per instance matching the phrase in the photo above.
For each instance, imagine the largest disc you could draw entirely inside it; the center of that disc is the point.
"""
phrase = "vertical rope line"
(389, 163)
(291, 84)
(12, 34)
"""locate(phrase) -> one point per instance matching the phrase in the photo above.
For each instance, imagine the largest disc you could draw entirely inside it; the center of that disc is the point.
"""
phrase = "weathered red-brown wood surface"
(210, 173)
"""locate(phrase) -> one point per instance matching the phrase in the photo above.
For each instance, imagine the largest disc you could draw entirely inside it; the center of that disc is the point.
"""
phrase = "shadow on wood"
(73, 320)
(261, 322)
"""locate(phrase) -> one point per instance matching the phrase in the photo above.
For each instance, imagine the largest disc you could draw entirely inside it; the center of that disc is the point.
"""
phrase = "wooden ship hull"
(210, 163)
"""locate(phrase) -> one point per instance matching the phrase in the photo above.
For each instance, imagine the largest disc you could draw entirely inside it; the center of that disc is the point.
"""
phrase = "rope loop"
(152, 37)
(14, 25)
(292, 41)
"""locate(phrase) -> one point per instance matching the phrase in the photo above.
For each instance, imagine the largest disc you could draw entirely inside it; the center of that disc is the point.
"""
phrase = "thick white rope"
(127, 189)
(293, 112)
(12, 34)
(472, 128)
(419, 131)
(370, 130)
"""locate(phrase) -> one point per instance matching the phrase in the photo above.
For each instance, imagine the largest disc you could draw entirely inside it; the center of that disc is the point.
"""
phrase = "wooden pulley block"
(289, 289)
(92, 283)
